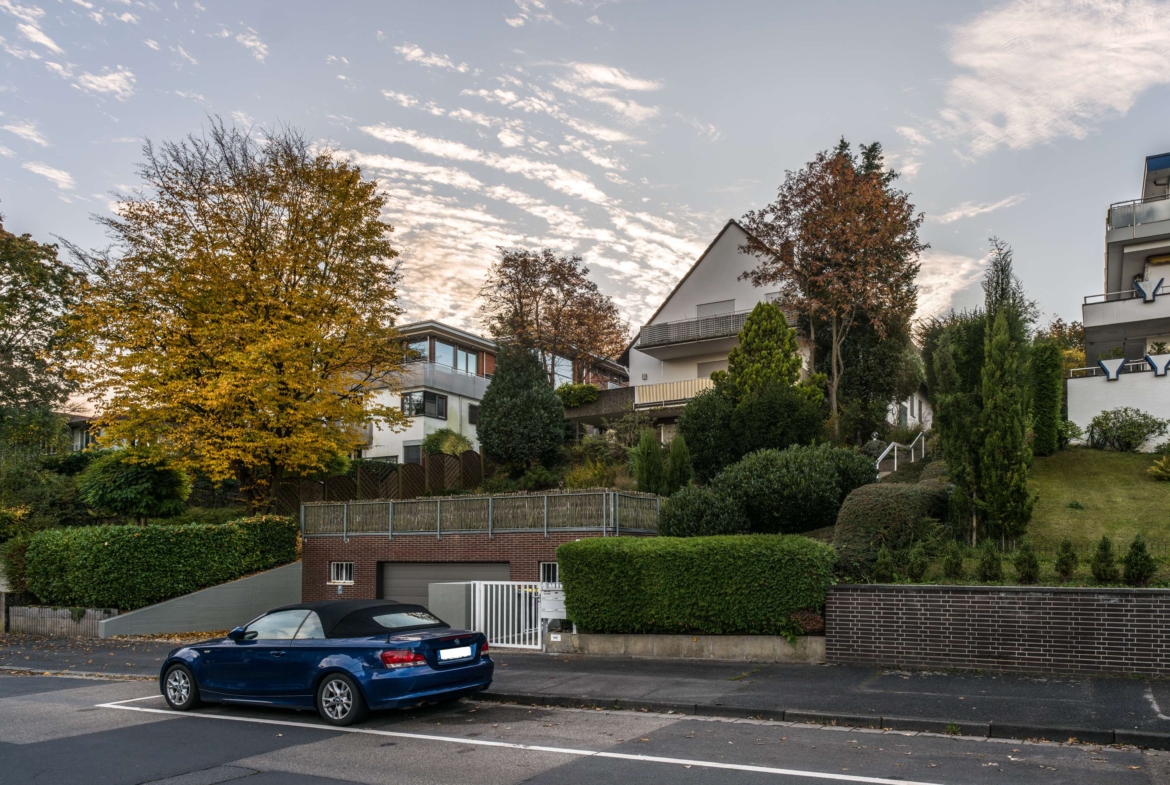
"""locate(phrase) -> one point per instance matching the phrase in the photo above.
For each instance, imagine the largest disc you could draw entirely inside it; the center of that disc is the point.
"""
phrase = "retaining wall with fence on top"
(609, 512)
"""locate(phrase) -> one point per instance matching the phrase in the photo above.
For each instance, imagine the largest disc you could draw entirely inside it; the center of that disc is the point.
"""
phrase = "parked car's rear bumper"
(392, 689)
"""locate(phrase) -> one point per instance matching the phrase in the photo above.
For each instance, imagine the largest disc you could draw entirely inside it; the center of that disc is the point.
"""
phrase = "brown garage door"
(408, 581)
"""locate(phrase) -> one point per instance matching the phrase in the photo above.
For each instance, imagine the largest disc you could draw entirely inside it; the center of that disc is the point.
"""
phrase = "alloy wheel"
(178, 686)
(337, 699)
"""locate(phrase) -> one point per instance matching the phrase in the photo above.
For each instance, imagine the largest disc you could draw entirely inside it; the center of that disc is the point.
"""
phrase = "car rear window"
(406, 620)
(384, 620)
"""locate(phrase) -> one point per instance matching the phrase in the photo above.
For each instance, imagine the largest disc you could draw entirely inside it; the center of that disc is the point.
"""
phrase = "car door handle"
(278, 654)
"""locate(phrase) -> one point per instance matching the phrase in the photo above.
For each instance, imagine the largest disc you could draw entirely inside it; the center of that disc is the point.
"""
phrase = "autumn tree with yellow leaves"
(244, 315)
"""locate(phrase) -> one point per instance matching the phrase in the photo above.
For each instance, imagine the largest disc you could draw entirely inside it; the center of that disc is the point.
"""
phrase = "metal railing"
(1132, 366)
(1113, 297)
(1136, 212)
(610, 512)
(724, 325)
(665, 393)
(507, 613)
(919, 442)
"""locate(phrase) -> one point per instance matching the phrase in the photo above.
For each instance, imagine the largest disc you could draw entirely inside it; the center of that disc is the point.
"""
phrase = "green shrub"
(1026, 563)
(917, 562)
(775, 417)
(697, 511)
(880, 515)
(445, 441)
(134, 485)
(1069, 433)
(678, 472)
(1161, 469)
(1066, 559)
(874, 448)
(989, 567)
(1139, 565)
(705, 422)
(1124, 429)
(784, 491)
(646, 463)
(1104, 564)
(884, 568)
(590, 474)
(15, 553)
(953, 563)
(707, 585)
(128, 567)
(853, 469)
(935, 470)
(521, 420)
(538, 478)
(574, 395)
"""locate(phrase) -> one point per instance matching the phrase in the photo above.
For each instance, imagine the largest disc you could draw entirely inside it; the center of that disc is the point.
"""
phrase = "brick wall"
(1044, 630)
(524, 551)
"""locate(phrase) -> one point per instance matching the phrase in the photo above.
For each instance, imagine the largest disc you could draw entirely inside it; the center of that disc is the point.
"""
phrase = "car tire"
(339, 701)
(180, 689)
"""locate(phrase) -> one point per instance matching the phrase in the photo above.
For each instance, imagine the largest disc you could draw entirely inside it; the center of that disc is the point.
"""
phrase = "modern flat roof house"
(1128, 324)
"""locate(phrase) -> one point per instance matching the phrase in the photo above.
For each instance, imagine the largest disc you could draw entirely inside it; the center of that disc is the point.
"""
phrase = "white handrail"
(921, 437)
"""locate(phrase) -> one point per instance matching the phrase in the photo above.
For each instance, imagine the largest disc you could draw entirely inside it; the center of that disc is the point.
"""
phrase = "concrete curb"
(18, 669)
(990, 730)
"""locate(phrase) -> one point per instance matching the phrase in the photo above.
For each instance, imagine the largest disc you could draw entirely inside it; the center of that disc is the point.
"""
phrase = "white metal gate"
(508, 613)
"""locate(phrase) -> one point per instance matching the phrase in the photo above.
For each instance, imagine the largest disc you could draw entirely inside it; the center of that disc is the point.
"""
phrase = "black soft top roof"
(355, 618)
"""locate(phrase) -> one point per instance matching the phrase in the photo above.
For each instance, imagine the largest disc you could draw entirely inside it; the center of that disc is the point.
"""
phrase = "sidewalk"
(1089, 709)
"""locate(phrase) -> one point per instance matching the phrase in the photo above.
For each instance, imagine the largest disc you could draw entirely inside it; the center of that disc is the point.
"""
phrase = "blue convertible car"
(342, 657)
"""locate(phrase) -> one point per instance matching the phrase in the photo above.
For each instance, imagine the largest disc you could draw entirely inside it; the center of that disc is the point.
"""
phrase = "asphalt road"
(66, 730)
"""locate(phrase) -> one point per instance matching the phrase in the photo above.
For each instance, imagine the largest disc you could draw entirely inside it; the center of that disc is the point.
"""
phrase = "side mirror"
(237, 634)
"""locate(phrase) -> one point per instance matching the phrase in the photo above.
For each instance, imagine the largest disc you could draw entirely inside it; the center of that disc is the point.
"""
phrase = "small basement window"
(549, 572)
(341, 573)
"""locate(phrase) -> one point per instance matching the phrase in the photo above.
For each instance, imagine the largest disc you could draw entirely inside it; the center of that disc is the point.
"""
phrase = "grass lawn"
(1119, 499)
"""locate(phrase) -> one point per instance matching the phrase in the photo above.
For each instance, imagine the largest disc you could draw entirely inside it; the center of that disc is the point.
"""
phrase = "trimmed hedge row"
(738, 584)
(889, 515)
(128, 567)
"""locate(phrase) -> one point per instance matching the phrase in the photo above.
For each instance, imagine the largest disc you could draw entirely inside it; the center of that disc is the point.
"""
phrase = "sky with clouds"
(627, 132)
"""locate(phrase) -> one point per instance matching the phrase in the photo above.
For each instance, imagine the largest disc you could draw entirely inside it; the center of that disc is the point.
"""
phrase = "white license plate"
(460, 653)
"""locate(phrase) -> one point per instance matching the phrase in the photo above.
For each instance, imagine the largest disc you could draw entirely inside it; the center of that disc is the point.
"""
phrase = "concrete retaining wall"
(58, 622)
(1010, 628)
(217, 608)
(760, 648)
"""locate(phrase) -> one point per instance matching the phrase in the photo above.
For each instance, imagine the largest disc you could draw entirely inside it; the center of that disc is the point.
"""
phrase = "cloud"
(1039, 70)
(252, 42)
(536, 104)
(37, 36)
(401, 99)
(119, 82)
(970, 209)
(609, 76)
(594, 20)
(582, 80)
(415, 54)
(181, 52)
(942, 276)
(6, 152)
(534, 10)
(151, 43)
(27, 130)
(566, 181)
(62, 180)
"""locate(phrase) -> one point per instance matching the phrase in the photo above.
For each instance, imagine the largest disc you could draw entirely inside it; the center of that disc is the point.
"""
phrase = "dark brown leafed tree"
(545, 302)
(840, 242)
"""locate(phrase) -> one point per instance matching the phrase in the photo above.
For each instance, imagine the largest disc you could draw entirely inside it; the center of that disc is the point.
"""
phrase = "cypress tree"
(1103, 565)
(647, 463)
(1139, 564)
(678, 466)
(1047, 372)
(1066, 559)
(767, 351)
(1004, 456)
(521, 419)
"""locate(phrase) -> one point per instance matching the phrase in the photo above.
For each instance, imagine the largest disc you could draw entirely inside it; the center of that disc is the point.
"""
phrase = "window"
(341, 572)
(562, 371)
(549, 572)
(412, 453)
(473, 414)
(466, 361)
(280, 626)
(418, 351)
(444, 354)
(311, 629)
(426, 404)
(714, 309)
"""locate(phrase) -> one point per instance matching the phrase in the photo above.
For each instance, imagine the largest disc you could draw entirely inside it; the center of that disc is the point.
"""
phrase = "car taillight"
(402, 658)
(483, 649)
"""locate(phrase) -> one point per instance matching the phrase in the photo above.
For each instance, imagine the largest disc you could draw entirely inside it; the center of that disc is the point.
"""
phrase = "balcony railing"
(724, 325)
(443, 378)
(1137, 212)
(667, 393)
(1133, 366)
(1113, 297)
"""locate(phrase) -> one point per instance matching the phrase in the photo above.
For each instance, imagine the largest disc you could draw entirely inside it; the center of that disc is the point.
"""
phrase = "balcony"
(1119, 315)
(651, 396)
(1138, 218)
(686, 337)
(443, 378)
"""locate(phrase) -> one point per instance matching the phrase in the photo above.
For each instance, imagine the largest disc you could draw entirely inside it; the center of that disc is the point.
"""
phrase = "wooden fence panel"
(472, 470)
(367, 484)
(312, 491)
(288, 498)
(414, 481)
(340, 489)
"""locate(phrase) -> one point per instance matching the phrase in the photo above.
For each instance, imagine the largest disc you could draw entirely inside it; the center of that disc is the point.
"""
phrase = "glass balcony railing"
(724, 325)
(1139, 212)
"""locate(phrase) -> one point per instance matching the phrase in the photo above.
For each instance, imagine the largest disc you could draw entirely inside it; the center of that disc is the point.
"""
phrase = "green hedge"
(128, 567)
(890, 515)
(697, 511)
(739, 584)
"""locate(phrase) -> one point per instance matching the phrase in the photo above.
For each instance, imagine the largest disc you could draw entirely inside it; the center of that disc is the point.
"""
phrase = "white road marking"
(528, 747)
(1154, 703)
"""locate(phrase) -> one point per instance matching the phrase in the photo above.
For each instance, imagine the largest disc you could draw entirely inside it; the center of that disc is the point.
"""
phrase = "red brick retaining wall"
(1045, 630)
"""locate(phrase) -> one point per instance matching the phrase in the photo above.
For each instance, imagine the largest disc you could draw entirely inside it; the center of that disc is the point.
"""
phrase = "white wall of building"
(1089, 396)
(918, 411)
(387, 443)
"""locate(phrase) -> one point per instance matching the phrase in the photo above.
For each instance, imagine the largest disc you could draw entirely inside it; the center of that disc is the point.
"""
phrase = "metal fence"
(507, 613)
(605, 511)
